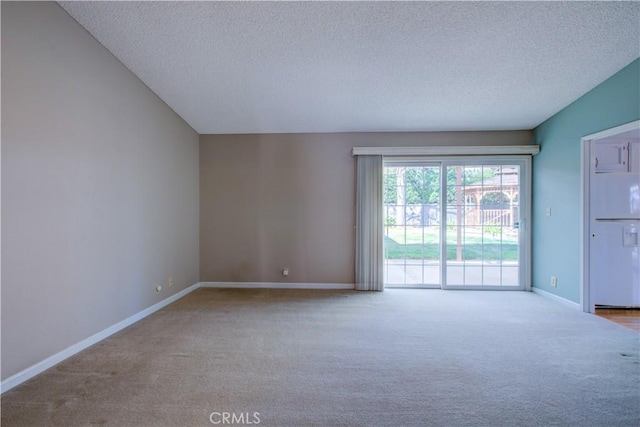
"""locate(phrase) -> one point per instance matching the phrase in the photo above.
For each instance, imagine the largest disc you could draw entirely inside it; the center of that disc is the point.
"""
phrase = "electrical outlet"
(158, 288)
(170, 281)
(285, 271)
(554, 281)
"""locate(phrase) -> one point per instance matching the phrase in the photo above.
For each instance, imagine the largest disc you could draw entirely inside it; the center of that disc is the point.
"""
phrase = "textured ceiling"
(266, 67)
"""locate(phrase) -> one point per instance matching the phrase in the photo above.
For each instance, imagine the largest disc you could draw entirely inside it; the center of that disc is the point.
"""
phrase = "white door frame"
(586, 302)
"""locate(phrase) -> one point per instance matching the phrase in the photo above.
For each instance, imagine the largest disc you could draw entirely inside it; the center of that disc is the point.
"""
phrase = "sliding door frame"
(524, 240)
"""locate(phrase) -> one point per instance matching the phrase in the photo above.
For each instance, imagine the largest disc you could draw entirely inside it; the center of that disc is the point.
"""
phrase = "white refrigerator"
(615, 222)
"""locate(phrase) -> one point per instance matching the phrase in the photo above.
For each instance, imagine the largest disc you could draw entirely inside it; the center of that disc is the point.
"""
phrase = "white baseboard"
(51, 361)
(277, 285)
(554, 297)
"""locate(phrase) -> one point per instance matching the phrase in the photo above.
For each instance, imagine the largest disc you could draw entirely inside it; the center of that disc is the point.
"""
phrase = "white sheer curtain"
(369, 224)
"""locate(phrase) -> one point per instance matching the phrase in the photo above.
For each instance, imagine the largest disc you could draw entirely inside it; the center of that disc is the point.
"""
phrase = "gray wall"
(270, 201)
(99, 188)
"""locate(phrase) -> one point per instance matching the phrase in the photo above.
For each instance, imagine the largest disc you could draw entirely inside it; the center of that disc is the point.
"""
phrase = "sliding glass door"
(457, 223)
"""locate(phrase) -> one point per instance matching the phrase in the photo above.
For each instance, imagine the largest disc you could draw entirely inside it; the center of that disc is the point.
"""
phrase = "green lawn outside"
(477, 243)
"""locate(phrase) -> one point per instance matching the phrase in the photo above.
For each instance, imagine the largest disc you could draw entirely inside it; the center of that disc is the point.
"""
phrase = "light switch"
(548, 211)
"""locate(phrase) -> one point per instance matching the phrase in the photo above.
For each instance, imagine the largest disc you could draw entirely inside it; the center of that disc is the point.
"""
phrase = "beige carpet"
(345, 358)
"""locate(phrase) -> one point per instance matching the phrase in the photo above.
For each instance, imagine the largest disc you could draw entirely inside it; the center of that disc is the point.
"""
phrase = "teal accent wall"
(557, 176)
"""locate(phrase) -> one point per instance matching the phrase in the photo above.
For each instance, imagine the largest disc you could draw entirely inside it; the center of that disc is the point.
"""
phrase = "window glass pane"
(412, 225)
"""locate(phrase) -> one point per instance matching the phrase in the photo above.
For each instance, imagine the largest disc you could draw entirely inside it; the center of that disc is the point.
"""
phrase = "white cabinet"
(611, 156)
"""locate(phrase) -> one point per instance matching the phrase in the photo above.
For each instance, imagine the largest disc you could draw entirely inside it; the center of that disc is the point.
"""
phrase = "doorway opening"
(611, 218)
